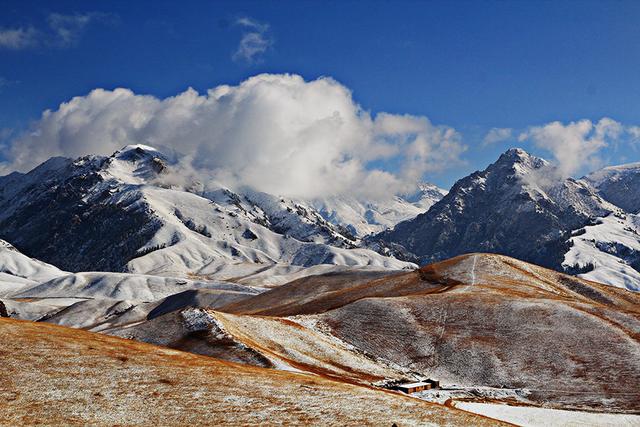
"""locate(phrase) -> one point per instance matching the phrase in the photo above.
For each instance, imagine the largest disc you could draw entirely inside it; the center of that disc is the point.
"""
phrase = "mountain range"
(475, 287)
(121, 214)
(518, 206)
(126, 213)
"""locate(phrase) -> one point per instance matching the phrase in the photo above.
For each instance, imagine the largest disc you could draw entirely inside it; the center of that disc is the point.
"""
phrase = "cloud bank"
(276, 133)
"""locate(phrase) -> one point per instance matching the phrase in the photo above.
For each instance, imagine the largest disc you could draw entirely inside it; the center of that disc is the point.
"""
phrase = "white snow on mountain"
(18, 271)
(365, 217)
(198, 235)
(202, 231)
(607, 251)
(619, 184)
(122, 286)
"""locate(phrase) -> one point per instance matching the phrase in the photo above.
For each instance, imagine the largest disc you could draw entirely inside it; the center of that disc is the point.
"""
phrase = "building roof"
(414, 385)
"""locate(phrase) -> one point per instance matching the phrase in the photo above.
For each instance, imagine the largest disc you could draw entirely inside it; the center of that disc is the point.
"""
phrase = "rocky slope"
(511, 208)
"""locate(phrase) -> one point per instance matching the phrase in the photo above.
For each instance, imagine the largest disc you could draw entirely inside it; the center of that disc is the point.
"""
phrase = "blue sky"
(472, 65)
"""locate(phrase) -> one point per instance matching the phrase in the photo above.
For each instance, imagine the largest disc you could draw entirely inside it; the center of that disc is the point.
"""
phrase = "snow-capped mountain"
(619, 184)
(362, 218)
(607, 251)
(510, 208)
(118, 213)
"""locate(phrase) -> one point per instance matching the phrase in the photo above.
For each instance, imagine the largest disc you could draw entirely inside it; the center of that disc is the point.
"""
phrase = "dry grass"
(58, 376)
(475, 320)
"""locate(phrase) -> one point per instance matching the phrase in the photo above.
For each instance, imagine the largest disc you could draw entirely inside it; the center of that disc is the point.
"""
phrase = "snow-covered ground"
(451, 392)
(605, 251)
(14, 263)
(530, 416)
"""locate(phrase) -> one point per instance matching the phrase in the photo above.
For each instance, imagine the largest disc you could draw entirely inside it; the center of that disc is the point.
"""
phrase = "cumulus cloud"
(254, 42)
(496, 135)
(575, 146)
(61, 31)
(276, 133)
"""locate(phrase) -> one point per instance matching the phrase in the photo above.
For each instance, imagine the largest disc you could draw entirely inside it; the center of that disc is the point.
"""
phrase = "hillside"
(474, 320)
(126, 382)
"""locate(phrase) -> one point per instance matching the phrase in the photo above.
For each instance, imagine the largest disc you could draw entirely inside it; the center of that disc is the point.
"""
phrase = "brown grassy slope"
(303, 348)
(571, 342)
(494, 274)
(316, 294)
(59, 376)
(486, 320)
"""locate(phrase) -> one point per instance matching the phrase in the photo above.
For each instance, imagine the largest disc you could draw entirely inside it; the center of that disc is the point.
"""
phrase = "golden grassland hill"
(60, 376)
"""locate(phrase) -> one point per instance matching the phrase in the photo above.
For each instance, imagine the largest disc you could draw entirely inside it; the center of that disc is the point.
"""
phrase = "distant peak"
(138, 148)
(520, 157)
(136, 152)
(624, 167)
(516, 152)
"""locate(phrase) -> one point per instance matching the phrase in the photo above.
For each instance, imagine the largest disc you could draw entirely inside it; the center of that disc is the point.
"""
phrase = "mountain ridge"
(509, 208)
(121, 213)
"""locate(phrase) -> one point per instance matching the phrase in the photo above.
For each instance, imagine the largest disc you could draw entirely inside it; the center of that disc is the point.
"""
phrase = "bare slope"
(126, 382)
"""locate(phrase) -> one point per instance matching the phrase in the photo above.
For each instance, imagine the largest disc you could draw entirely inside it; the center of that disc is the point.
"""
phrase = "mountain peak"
(137, 161)
(136, 152)
(515, 155)
(520, 160)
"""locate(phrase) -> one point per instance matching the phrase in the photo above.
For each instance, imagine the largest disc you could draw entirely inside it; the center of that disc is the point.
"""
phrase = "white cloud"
(62, 31)
(254, 42)
(276, 133)
(496, 135)
(18, 38)
(575, 146)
